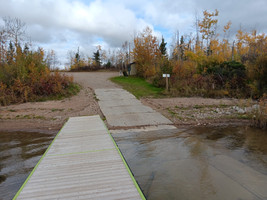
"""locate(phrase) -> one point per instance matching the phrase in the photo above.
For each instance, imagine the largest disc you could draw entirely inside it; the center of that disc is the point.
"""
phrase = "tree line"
(201, 64)
(205, 64)
(101, 58)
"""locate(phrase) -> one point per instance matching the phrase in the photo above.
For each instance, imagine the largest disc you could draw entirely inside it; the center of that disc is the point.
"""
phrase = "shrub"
(260, 115)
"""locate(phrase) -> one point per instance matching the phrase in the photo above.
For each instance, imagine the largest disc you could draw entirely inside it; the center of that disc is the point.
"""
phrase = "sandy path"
(94, 80)
(49, 116)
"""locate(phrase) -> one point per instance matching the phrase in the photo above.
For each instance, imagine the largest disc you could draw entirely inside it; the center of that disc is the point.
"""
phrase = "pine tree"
(97, 58)
(162, 47)
(77, 57)
(182, 48)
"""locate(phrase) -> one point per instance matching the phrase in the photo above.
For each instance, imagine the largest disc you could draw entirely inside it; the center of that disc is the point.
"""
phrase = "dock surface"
(83, 162)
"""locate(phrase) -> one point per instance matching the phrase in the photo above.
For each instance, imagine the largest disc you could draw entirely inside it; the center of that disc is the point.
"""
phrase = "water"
(19, 153)
(168, 164)
(197, 163)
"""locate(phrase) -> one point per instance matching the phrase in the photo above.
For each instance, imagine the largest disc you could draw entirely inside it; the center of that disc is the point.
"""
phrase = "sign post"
(167, 81)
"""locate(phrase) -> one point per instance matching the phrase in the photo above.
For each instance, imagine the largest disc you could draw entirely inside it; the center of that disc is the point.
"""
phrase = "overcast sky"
(64, 25)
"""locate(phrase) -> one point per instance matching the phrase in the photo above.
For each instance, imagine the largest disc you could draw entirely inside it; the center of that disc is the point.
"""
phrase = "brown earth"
(50, 116)
(203, 111)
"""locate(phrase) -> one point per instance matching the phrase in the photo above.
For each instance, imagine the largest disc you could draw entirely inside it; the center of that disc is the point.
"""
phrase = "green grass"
(56, 109)
(198, 106)
(138, 86)
(171, 112)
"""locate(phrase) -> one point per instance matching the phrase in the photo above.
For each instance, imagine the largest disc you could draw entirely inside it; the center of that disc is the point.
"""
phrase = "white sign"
(166, 75)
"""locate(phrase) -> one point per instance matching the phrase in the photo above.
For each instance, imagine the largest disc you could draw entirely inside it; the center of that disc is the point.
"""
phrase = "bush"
(232, 73)
(260, 115)
(26, 77)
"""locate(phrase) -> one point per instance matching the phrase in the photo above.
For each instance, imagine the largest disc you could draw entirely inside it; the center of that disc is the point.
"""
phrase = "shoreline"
(50, 116)
(48, 127)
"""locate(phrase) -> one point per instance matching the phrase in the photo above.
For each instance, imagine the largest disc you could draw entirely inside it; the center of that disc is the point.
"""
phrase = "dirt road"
(49, 116)
(94, 80)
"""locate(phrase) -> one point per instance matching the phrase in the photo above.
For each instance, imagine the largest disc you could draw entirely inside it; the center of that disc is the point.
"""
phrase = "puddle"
(198, 163)
(19, 153)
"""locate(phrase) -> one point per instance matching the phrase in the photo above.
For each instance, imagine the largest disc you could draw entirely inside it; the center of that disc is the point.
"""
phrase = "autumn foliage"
(207, 64)
(146, 53)
(25, 76)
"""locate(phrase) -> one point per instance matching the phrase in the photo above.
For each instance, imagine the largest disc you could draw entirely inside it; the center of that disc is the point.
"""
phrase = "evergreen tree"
(162, 47)
(26, 49)
(97, 58)
(77, 57)
(182, 48)
(10, 53)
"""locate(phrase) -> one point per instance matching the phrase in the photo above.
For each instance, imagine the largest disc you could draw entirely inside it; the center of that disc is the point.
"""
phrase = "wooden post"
(167, 86)
(167, 80)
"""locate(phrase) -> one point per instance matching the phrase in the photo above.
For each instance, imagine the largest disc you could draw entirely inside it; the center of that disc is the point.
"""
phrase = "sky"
(64, 25)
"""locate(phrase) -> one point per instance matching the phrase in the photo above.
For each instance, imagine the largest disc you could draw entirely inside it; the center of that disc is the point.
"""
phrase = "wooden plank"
(83, 162)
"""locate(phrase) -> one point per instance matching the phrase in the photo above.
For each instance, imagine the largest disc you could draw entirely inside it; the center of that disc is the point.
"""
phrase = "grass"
(171, 112)
(96, 97)
(199, 106)
(56, 109)
(138, 86)
(29, 117)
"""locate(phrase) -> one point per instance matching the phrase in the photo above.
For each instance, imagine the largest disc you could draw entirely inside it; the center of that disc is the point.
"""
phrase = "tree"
(77, 57)
(15, 29)
(182, 48)
(146, 53)
(71, 58)
(162, 47)
(10, 53)
(51, 60)
(175, 47)
(97, 58)
(208, 25)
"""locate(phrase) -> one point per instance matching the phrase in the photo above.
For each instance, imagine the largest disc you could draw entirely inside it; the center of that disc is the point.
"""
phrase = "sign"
(166, 75)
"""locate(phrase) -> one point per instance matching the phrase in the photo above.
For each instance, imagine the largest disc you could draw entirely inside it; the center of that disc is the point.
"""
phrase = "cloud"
(64, 24)
(112, 22)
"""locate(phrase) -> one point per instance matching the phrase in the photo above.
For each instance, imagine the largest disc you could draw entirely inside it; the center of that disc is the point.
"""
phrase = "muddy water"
(19, 153)
(168, 164)
(198, 163)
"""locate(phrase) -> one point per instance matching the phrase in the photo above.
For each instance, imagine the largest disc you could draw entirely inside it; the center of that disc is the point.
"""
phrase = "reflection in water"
(19, 153)
(184, 164)
(168, 164)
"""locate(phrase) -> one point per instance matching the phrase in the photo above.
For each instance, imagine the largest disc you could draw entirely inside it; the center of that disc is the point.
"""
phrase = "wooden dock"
(82, 162)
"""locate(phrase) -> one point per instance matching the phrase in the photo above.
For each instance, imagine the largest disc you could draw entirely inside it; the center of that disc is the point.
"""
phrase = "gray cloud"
(64, 25)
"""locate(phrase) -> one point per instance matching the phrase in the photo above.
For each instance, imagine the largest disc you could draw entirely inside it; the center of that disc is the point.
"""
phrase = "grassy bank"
(138, 86)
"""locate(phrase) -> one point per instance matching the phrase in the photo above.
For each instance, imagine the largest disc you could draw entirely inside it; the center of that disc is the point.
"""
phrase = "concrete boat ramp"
(122, 109)
(82, 162)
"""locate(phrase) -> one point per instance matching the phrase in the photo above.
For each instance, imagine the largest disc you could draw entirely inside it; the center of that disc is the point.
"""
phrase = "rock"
(241, 111)
(255, 107)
